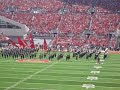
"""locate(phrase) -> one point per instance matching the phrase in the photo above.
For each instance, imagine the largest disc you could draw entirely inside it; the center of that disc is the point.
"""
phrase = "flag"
(25, 43)
(7, 38)
(45, 45)
(21, 42)
(31, 41)
(13, 43)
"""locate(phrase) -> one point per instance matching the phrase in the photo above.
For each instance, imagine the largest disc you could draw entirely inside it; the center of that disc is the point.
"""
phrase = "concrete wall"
(13, 32)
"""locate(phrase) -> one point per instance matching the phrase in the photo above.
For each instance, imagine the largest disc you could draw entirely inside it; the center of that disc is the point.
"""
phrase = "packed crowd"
(75, 19)
(67, 18)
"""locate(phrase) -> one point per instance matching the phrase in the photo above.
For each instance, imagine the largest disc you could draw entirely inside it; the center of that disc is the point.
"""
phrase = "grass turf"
(59, 75)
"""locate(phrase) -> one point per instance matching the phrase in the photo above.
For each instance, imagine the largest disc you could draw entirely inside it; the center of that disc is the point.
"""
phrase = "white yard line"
(29, 77)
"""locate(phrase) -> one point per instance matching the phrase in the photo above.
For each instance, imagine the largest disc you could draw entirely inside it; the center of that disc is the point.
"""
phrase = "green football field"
(59, 75)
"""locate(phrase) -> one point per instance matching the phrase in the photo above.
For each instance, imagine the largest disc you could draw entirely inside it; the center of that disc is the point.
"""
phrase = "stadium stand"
(66, 16)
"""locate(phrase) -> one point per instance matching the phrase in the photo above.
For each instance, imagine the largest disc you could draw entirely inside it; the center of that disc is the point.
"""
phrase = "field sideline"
(59, 75)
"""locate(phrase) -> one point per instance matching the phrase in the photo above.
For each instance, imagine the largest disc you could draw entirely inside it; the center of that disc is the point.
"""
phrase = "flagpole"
(43, 46)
